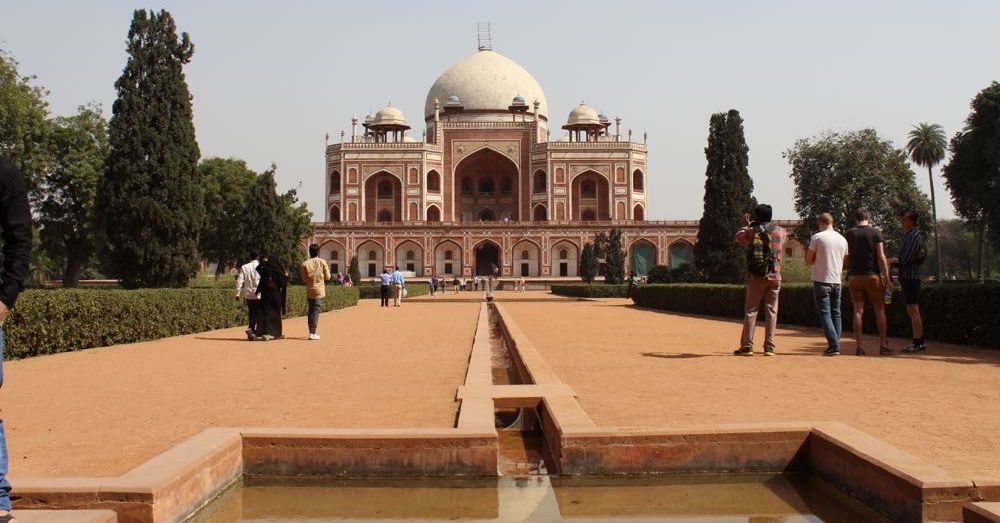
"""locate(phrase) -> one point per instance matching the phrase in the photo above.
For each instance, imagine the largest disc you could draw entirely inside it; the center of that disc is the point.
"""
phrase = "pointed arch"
(448, 258)
(642, 256)
(433, 181)
(527, 256)
(335, 254)
(487, 179)
(334, 215)
(540, 213)
(410, 257)
(371, 258)
(335, 182)
(638, 213)
(591, 196)
(565, 258)
(433, 214)
(488, 257)
(383, 197)
(679, 252)
(638, 181)
(539, 182)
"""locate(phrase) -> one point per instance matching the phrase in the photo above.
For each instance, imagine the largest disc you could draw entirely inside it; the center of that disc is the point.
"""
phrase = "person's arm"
(15, 222)
(884, 263)
(239, 283)
(811, 253)
(326, 272)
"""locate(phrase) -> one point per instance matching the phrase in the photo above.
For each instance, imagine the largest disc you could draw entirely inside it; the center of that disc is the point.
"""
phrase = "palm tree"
(926, 147)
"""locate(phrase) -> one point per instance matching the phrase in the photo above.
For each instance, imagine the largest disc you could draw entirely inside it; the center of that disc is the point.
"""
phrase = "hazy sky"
(269, 79)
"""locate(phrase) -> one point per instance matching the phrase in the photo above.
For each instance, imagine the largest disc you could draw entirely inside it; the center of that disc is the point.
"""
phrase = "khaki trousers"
(760, 290)
(397, 294)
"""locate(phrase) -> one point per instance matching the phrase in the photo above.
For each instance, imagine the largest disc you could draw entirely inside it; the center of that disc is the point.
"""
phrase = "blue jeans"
(4, 484)
(828, 302)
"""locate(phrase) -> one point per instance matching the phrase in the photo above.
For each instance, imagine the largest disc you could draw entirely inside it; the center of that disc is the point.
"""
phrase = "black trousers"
(384, 294)
(253, 313)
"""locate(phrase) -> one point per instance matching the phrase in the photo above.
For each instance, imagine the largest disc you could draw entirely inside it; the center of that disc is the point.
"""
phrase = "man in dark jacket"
(15, 233)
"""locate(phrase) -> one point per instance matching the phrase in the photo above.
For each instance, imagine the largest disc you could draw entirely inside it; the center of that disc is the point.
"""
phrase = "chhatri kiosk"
(484, 188)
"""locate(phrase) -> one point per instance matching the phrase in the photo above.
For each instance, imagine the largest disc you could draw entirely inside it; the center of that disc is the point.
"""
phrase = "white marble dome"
(486, 81)
(583, 115)
(390, 116)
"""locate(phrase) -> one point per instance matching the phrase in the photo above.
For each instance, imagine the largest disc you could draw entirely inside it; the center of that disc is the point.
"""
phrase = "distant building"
(484, 189)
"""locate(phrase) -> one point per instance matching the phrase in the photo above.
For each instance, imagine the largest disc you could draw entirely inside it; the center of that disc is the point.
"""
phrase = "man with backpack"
(763, 241)
(911, 254)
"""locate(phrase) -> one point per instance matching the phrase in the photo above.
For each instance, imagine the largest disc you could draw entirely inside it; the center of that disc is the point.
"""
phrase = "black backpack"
(760, 254)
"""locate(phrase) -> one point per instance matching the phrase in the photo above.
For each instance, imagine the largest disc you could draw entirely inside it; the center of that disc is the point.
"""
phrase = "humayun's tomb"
(484, 188)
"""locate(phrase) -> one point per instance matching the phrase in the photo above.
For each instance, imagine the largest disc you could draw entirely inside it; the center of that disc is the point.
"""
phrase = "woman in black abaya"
(272, 287)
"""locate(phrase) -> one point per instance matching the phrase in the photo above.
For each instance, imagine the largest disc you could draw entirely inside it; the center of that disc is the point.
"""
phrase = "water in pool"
(542, 499)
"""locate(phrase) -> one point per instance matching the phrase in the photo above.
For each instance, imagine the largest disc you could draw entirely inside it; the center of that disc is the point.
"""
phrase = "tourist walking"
(434, 285)
(15, 232)
(456, 284)
(763, 241)
(911, 255)
(398, 286)
(272, 290)
(827, 249)
(246, 288)
(348, 282)
(868, 278)
(315, 273)
(631, 284)
(385, 288)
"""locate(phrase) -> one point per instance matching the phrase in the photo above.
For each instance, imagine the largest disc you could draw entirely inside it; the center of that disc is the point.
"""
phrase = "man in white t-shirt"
(826, 253)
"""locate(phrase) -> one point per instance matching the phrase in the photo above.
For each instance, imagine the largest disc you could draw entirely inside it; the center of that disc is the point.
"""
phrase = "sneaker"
(832, 351)
(860, 352)
(314, 336)
(885, 350)
(266, 337)
(769, 351)
(748, 351)
(915, 348)
(250, 335)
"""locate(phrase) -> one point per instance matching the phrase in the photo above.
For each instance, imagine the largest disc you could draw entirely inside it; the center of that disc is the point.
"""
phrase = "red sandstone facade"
(485, 189)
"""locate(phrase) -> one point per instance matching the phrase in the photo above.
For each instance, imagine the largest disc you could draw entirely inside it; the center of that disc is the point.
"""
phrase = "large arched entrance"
(383, 198)
(643, 256)
(591, 198)
(680, 252)
(488, 184)
(487, 259)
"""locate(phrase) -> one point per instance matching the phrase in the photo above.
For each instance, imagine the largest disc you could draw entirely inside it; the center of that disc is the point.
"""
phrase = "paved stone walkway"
(101, 412)
(631, 366)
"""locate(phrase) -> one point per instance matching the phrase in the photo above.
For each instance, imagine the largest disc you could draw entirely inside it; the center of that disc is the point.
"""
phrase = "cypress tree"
(615, 258)
(588, 263)
(728, 196)
(264, 226)
(355, 271)
(150, 195)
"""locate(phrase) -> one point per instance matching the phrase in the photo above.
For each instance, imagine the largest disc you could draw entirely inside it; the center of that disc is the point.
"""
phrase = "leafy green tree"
(615, 258)
(354, 270)
(973, 173)
(839, 173)
(926, 147)
(588, 263)
(728, 196)
(225, 184)
(151, 195)
(67, 210)
(24, 127)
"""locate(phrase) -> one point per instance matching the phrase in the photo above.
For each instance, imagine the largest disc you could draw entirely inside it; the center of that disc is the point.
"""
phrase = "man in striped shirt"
(911, 255)
(763, 288)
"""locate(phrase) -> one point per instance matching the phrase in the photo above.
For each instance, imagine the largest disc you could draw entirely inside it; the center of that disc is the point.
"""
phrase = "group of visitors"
(343, 279)
(393, 283)
(869, 278)
(263, 284)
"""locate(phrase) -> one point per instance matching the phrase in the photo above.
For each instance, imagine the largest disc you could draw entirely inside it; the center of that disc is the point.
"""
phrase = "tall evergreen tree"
(264, 227)
(588, 263)
(67, 210)
(354, 271)
(150, 195)
(728, 196)
(615, 260)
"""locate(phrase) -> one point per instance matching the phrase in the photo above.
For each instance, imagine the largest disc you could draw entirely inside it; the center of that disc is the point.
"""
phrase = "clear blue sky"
(269, 79)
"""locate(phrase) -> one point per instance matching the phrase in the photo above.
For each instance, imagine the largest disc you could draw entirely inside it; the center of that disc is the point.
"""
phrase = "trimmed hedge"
(53, 321)
(372, 292)
(601, 290)
(962, 313)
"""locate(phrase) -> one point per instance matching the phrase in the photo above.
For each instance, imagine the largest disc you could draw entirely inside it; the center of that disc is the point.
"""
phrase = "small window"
(409, 255)
(563, 254)
(447, 268)
(447, 254)
(371, 255)
(385, 188)
(486, 186)
(524, 255)
(589, 189)
(334, 255)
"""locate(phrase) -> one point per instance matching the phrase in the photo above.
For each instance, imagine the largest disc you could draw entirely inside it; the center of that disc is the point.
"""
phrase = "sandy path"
(641, 367)
(104, 411)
